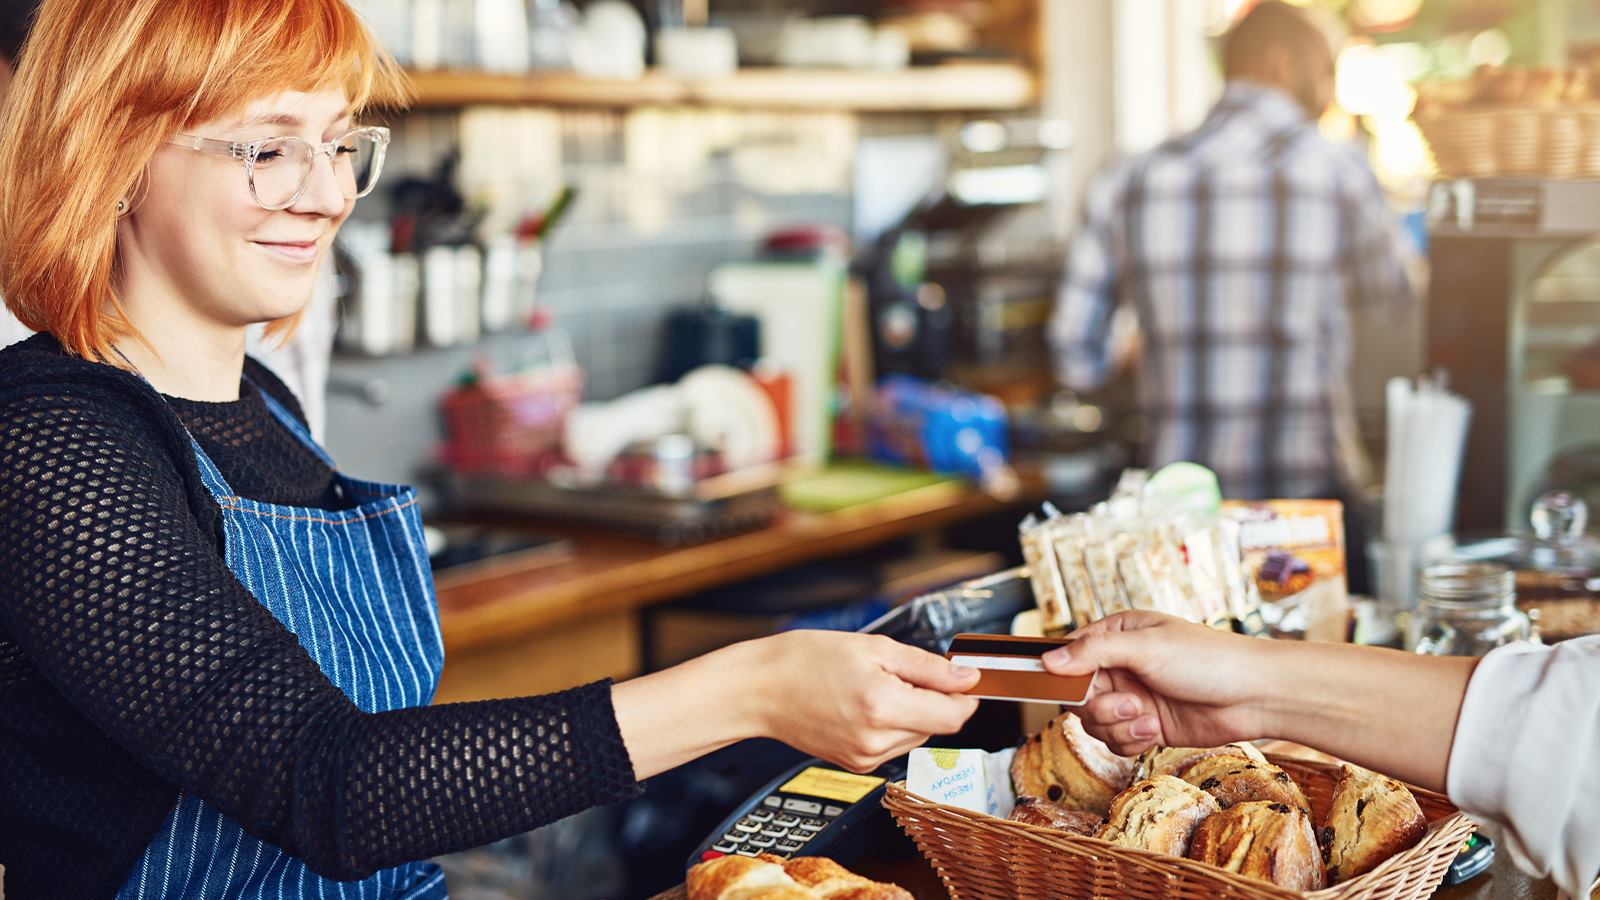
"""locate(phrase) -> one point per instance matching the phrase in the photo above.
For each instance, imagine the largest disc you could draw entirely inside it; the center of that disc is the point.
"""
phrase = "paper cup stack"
(1427, 434)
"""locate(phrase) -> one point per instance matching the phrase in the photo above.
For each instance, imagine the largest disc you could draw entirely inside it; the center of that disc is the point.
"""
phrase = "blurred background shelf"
(964, 87)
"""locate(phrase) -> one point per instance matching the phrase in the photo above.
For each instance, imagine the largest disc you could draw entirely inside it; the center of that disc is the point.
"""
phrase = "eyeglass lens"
(283, 167)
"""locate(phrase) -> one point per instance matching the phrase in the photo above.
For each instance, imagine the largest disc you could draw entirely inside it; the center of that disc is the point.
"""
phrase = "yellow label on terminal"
(831, 784)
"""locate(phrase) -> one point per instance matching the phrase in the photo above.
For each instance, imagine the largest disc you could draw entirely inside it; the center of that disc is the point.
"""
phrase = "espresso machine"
(1514, 319)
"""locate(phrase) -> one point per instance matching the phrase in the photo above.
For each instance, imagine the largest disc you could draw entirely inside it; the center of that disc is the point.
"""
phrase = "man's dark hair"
(1275, 25)
(16, 16)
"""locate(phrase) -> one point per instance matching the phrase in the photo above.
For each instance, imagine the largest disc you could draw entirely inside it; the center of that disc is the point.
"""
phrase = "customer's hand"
(856, 700)
(1166, 681)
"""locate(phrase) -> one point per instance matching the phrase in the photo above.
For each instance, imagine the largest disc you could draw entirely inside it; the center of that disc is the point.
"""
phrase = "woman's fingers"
(924, 669)
(913, 709)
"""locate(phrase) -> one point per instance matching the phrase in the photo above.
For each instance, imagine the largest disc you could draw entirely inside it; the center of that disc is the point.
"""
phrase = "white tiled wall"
(664, 196)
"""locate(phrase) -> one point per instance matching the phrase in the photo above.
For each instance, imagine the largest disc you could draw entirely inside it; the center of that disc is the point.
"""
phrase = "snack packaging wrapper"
(1174, 589)
(1100, 557)
(1070, 537)
(1294, 558)
(970, 779)
(1044, 575)
(1204, 553)
(1134, 568)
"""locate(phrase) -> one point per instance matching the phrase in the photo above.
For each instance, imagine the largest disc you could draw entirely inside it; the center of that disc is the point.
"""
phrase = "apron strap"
(288, 420)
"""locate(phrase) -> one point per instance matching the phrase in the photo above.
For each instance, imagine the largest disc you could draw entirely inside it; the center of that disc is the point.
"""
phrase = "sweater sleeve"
(1526, 756)
(117, 593)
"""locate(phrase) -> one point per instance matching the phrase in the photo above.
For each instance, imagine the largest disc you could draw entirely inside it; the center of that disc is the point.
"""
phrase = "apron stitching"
(349, 520)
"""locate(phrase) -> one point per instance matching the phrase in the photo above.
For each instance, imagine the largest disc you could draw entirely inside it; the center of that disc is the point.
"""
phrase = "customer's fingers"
(1115, 707)
(1129, 738)
(1097, 649)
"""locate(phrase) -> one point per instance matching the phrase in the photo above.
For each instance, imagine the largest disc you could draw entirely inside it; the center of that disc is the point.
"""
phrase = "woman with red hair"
(216, 650)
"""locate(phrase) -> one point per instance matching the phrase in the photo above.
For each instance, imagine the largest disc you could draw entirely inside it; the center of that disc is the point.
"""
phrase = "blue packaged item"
(942, 429)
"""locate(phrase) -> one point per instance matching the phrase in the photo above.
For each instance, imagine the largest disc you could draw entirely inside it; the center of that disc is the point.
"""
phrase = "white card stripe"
(1000, 663)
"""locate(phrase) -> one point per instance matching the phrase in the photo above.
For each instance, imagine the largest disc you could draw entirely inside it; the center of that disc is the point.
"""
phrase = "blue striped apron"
(355, 588)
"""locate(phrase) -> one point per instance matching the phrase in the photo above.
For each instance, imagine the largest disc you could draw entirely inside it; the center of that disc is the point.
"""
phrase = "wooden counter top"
(609, 572)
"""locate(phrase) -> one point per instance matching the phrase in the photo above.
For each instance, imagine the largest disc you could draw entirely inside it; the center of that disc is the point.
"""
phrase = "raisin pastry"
(1233, 779)
(1258, 839)
(1158, 814)
(1177, 760)
(1033, 811)
(1030, 777)
(1065, 765)
(1372, 817)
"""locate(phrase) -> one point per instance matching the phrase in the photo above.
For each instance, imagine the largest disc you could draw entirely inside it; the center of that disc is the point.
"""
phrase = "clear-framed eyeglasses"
(279, 169)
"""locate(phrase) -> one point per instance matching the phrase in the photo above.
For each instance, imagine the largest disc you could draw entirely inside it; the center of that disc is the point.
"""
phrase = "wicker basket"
(980, 857)
(1517, 139)
(1462, 142)
(508, 424)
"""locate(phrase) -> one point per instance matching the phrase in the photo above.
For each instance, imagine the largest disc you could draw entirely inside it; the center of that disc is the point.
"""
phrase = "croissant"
(768, 877)
(828, 879)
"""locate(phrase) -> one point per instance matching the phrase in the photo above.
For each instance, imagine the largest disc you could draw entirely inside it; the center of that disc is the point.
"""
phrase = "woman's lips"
(298, 252)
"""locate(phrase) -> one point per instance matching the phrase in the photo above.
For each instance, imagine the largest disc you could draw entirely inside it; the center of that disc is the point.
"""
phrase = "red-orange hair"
(100, 86)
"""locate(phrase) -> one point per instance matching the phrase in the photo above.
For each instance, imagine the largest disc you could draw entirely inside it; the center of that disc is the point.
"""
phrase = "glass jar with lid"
(1466, 609)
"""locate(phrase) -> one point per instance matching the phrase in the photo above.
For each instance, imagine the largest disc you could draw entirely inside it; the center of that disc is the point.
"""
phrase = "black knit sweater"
(133, 664)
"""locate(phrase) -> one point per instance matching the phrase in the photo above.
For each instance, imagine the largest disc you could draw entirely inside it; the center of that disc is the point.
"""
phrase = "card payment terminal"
(812, 809)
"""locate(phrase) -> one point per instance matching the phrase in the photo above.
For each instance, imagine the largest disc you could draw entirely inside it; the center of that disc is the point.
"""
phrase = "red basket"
(509, 424)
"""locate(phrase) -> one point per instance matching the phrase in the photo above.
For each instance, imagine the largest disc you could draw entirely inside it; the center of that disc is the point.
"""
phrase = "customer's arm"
(1172, 682)
(1521, 745)
(1081, 330)
(1527, 756)
(854, 699)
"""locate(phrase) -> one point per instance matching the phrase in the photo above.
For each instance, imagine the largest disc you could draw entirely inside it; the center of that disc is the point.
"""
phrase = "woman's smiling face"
(199, 238)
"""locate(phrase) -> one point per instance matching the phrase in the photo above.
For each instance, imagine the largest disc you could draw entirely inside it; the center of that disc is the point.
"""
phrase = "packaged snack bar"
(1244, 601)
(1170, 575)
(1069, 538)
(1203, 552)
(1049, 593)
(1294, 555)
(1134, 570)
(1100, 557)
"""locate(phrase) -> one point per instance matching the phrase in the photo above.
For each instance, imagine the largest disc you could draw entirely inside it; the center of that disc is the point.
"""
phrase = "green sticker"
(1184, 488)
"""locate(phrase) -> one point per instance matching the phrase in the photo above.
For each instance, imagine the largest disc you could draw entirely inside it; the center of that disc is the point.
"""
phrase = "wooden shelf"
(961, 87)
(610, 573)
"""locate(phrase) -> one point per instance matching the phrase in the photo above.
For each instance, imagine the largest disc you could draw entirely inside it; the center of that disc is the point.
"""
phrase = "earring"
(125, 206)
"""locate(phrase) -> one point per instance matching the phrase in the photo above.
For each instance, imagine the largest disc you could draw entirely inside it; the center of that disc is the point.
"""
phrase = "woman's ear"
(135, 196)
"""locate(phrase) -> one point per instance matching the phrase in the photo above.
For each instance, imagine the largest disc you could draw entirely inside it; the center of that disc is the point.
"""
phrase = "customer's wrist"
(1279, 685)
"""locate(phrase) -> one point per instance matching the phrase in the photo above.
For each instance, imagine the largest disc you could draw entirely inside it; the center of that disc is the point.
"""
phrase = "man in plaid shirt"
(1239, 246)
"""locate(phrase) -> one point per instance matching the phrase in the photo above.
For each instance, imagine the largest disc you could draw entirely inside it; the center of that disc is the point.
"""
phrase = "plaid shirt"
(1239, 246)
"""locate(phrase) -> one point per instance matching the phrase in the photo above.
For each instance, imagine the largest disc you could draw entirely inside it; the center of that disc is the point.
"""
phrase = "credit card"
(1010, 668)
